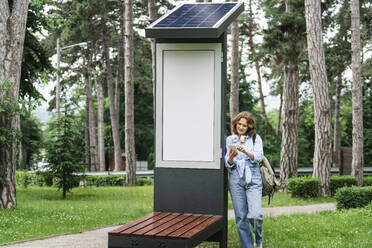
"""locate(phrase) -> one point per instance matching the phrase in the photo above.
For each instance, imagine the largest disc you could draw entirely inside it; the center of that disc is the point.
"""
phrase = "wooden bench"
(166, 230)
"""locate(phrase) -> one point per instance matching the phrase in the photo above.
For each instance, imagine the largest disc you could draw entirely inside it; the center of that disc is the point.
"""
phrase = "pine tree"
(62, 155)
(323, 143)
(357, 100)
(284, 45)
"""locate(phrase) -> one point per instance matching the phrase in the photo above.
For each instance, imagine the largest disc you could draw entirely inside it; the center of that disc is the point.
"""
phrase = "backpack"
(269, 183)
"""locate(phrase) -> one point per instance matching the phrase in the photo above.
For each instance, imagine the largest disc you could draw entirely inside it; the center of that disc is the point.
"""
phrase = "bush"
(341, 181)
(353, 197)
(305, 187)
(38, 178)
(112, 180)
(367, 181)
(23, 179)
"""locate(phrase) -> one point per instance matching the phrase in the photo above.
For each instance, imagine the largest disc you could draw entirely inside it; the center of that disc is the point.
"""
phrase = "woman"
(244, 152)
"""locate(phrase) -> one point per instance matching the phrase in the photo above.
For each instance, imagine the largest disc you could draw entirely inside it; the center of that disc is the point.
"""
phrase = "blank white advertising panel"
(188, 106)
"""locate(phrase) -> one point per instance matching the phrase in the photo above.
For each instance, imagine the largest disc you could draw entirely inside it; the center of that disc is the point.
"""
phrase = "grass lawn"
(284, 199)
(41, 212)
(339, 229)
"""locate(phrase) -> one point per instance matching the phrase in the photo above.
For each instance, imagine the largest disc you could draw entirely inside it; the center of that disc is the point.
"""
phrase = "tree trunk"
(288, 153)
(278, 126)
(101, 137)
(322, 106)
(87, 144)
(257, 66)
(153, 17)
(130, 152)
(234, 87)
(58, 82)
(357, 98)
(336, 129)
(92, 124)
(12, 35)
(113, 112)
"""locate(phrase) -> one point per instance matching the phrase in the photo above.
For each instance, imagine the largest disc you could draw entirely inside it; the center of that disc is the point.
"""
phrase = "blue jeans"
(246, 199)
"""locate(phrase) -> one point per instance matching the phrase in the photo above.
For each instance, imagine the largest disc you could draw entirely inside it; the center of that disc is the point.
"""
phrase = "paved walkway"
(98, 238)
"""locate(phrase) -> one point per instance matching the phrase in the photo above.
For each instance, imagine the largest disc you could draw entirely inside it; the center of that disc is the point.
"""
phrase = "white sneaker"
(258, 245)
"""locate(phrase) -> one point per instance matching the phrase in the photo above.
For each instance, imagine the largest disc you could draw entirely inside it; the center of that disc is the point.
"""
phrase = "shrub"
(341, 181)
(112, 180)
(144, 181)
(104, 180)
(23, 179)
(305, 187)
(353, 197)
(367, 181)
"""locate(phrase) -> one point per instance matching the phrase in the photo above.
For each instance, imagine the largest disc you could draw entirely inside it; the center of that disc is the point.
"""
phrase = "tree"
(130, 152)
(234, 86)
(92, 123)
(318, 73)
(152, 16)
(100, 120)
(357, 100)
(62, 155)
(13, 17)
(284, 46)
(113, 111)
(254, 57)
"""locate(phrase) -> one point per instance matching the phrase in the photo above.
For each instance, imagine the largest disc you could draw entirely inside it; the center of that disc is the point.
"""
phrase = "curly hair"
(250, 120)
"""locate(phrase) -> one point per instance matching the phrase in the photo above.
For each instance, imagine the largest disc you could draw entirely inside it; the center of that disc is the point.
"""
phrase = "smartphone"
(232, 147)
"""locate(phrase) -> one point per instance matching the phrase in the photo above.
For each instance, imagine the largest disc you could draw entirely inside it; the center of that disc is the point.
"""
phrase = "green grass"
(284, 199)
(339, 229)
(41, 211)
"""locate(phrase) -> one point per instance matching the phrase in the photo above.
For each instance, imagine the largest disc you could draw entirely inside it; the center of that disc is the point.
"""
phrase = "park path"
(98, 238)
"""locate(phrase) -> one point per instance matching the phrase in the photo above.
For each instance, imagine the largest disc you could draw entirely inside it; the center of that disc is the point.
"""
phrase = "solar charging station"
(189, 173)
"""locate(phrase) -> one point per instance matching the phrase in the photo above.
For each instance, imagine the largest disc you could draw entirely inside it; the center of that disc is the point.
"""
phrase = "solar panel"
(196, 15)
(198, 20)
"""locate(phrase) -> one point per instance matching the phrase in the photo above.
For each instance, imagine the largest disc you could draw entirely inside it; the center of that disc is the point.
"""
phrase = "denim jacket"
(242, 162)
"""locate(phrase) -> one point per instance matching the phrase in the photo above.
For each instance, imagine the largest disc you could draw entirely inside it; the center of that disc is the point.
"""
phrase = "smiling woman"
(245, 181)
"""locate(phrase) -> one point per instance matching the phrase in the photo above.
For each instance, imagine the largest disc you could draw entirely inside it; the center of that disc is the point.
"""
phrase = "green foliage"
(112, 180)
(367, 111)
(305, 187)
(367, 181)
(99, 181)
(342, 181)
(271, 142)
(35, 60)
(353, 197)
(308, 186)
(151, 161)
(37, 178)
(63, 157)
(283, 38)
(45, 178)
(9, 108)
(32, 141)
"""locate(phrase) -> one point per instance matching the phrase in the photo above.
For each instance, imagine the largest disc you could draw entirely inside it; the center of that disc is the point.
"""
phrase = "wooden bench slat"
(177, 226)
(197, 229)
(189, 226)
(167, 225)
(133, 223)
(145, 223)
(154, 225)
